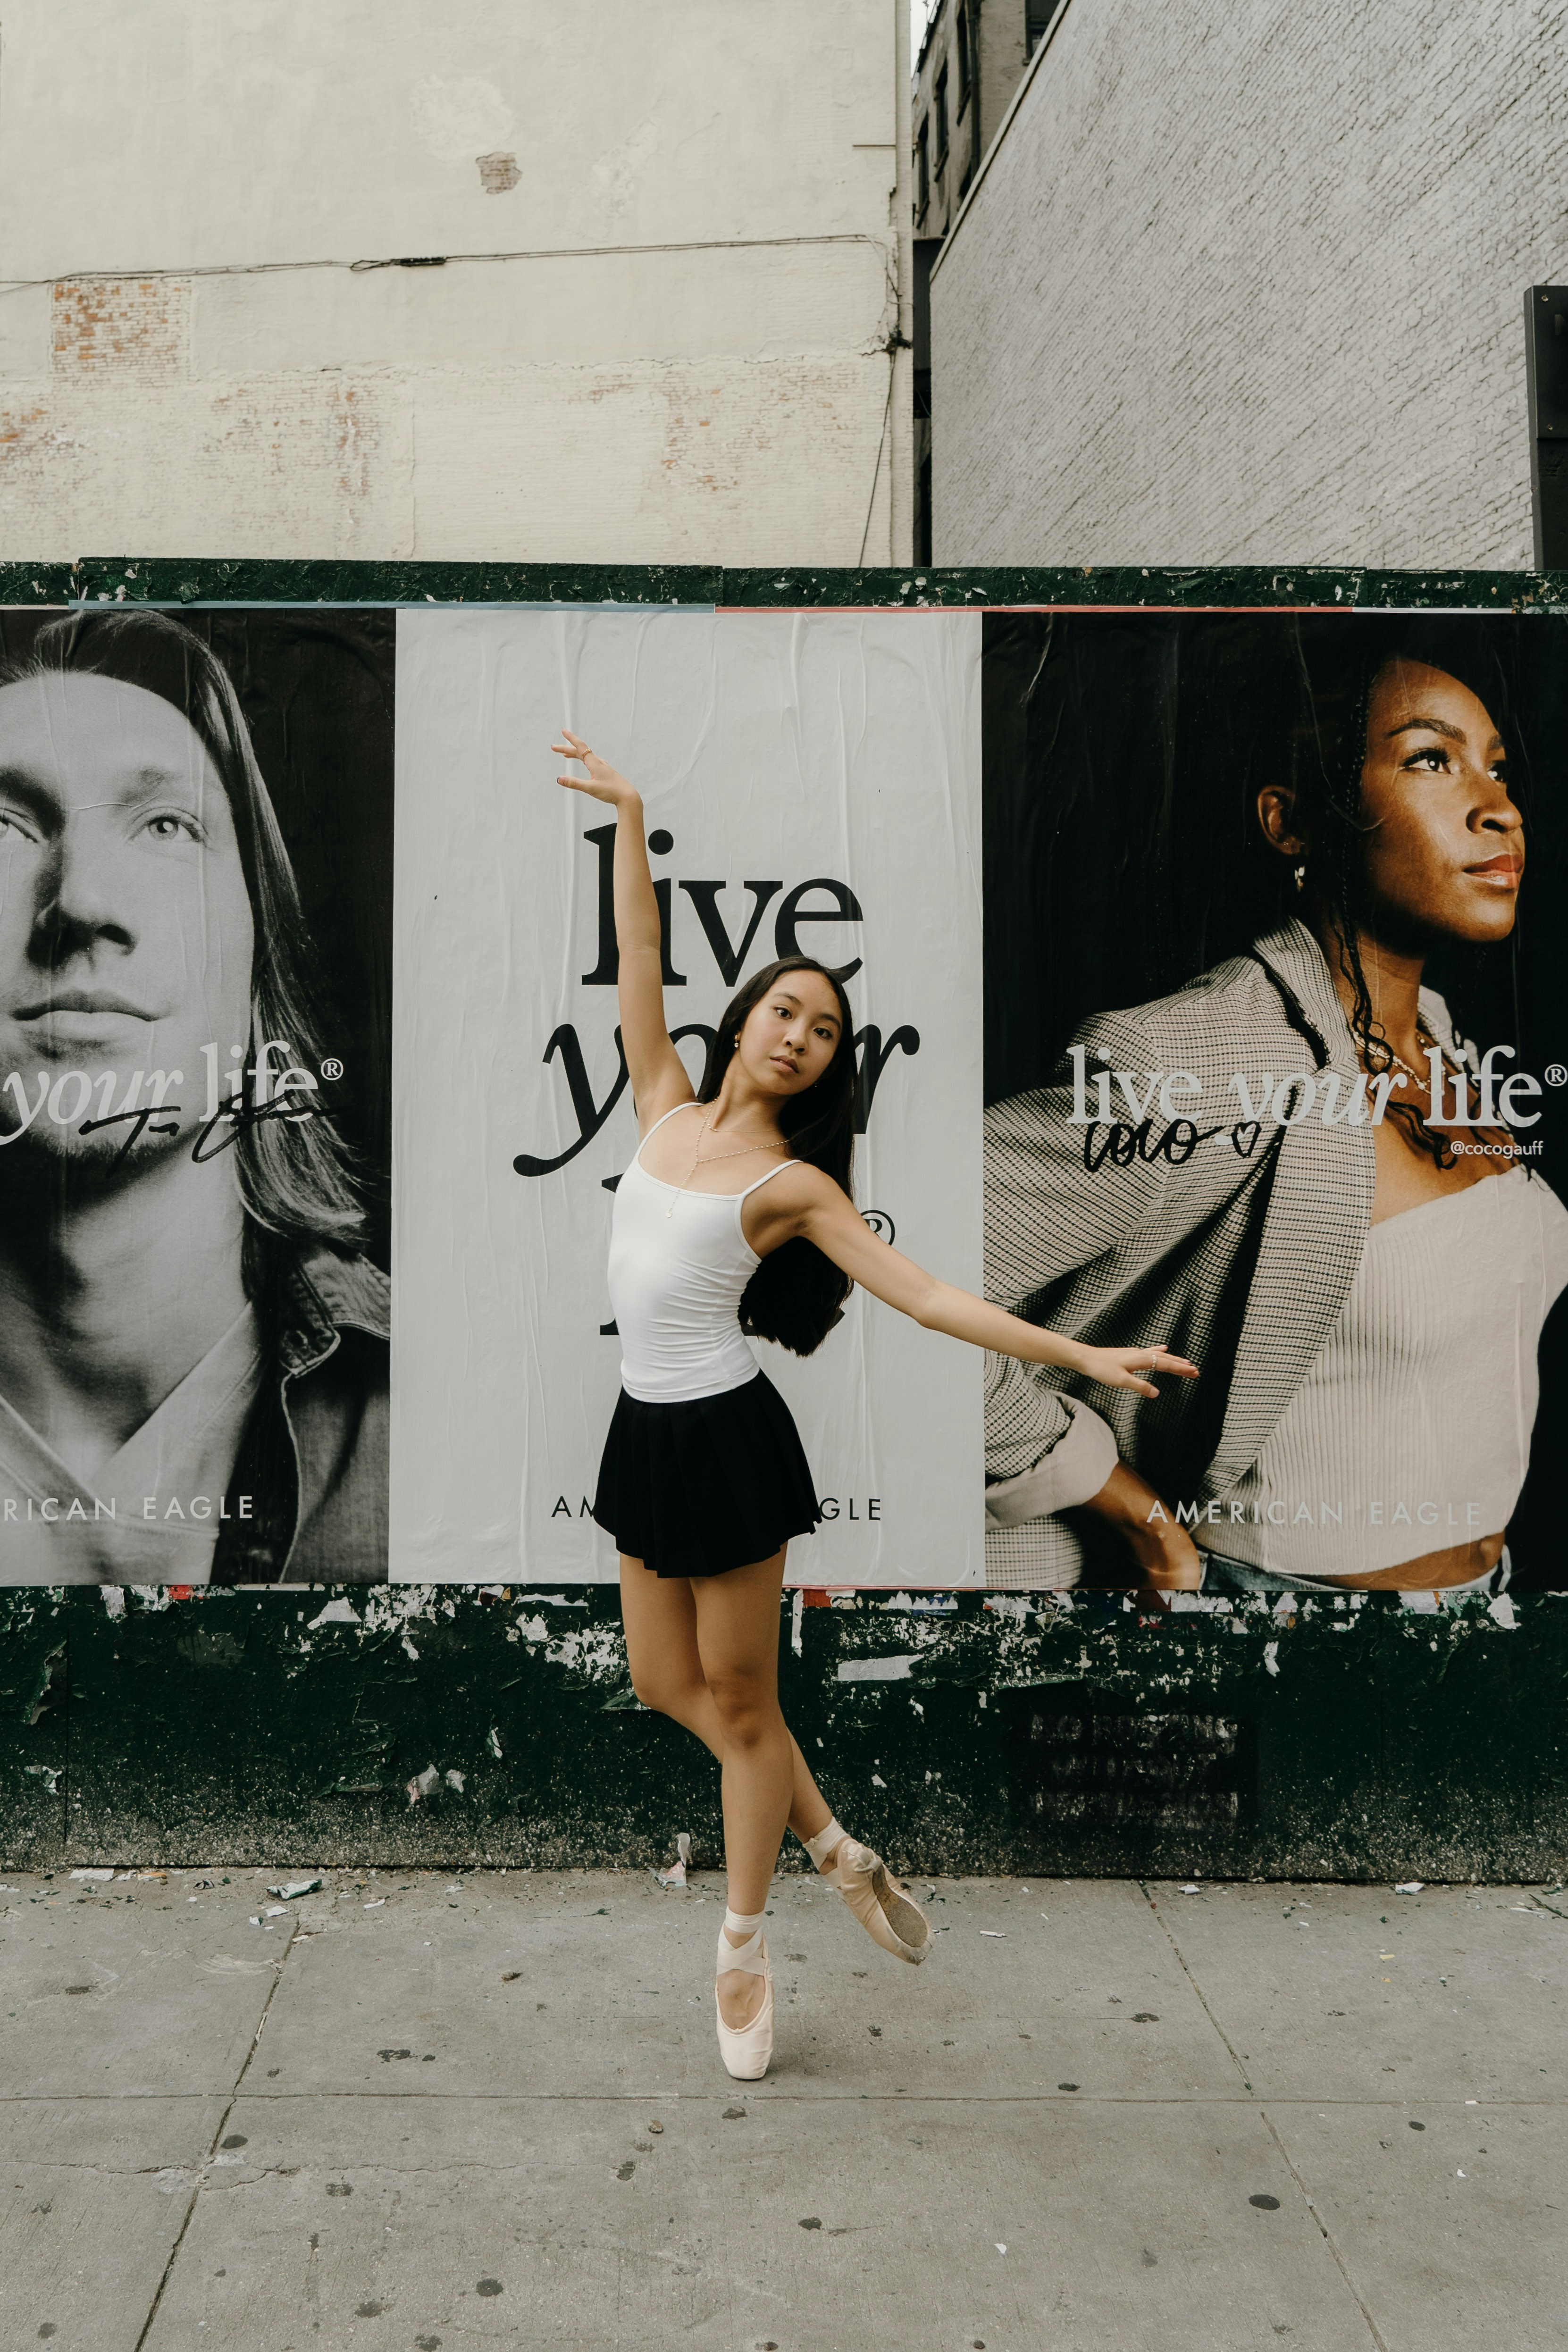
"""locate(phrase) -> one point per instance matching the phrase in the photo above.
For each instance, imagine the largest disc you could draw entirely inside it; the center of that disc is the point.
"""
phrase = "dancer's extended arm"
(1166, 1555)
(821, 1213)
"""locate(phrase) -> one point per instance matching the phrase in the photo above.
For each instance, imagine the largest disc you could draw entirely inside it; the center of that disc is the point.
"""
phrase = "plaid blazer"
(1239, 1255)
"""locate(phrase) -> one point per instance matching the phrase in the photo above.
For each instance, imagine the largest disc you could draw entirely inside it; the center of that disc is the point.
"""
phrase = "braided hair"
(1341, 663)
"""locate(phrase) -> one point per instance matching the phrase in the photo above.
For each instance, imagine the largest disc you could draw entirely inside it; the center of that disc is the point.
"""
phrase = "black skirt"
(715, 1483)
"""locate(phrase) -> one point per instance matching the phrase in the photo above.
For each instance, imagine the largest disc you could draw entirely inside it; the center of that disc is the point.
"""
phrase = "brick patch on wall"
(137, 327)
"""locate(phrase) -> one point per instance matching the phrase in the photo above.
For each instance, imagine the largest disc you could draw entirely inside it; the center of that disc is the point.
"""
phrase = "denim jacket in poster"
(312, 1461)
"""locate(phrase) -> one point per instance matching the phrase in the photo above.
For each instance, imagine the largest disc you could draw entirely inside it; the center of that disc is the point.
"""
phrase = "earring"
(1300, 874)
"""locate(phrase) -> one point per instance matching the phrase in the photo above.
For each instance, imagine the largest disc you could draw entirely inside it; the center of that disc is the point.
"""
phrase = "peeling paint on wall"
(1027, 1732)
(206, 465)
(498, 174)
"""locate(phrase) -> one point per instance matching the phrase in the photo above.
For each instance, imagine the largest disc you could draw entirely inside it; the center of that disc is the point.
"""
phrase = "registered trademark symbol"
(331, 1067)
(881, 1224)
(1556, 1074)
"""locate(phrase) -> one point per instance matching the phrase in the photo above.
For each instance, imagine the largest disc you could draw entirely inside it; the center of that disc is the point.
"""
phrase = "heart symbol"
(1243, 1139)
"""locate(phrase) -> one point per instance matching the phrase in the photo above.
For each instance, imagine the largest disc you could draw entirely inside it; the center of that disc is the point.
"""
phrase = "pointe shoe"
(746, 2050)
(882, 1907)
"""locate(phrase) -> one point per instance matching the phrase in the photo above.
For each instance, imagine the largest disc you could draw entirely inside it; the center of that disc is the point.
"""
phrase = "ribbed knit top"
(1411, 1432)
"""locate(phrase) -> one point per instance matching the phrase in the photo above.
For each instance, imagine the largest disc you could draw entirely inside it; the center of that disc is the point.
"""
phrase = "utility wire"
(443, 260)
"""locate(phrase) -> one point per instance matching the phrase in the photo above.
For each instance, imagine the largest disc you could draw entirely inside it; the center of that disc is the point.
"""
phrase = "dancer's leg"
(738, 1644)
(669, 1674)
(660, 1620)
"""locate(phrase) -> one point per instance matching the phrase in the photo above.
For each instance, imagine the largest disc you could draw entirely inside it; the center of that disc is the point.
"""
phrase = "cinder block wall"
(1245, 285)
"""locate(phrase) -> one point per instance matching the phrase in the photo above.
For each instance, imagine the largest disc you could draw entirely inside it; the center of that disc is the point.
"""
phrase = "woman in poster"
(735, 1215)
(193, 1352)
(1298, 1168)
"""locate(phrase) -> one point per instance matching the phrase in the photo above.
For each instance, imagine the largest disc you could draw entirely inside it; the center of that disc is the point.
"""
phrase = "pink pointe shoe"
(882, 1907)
(746, 2050)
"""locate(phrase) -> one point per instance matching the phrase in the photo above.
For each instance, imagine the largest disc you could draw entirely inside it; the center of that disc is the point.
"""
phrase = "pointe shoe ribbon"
(881, 1906)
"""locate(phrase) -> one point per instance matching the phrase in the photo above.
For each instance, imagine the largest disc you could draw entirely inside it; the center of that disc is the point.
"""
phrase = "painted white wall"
(1246, 285)
(679, 358)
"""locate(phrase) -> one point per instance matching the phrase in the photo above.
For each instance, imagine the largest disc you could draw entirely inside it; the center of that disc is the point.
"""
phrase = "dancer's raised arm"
(657, 1076)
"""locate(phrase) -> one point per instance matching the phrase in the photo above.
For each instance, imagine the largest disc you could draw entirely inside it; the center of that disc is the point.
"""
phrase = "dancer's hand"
(602, 782)
(1120, 1368)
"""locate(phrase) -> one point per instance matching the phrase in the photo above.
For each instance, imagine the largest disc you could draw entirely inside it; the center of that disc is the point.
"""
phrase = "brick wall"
(1245, 285)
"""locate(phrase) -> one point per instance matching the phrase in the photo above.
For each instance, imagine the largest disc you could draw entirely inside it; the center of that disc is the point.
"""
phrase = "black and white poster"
(1275, 1071)
(195, 1096)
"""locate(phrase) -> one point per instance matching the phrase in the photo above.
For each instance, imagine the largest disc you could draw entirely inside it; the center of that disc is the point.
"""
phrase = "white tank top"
(678, 1264)
(1411, 1431)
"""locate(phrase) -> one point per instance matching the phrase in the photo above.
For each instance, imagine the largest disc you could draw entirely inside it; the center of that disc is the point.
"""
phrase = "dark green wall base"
(1022, 1736)
(172, 580)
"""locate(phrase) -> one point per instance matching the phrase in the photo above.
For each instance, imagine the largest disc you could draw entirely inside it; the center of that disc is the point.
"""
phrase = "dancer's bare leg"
(705, 1652)
(738, 1642)
(660, 1620)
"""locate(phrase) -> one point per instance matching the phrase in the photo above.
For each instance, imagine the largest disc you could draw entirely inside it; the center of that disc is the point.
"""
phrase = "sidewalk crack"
(219, 2128)
(1231, 2050)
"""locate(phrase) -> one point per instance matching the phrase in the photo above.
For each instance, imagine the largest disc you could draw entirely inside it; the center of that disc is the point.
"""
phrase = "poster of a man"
(1315, 1159)
(192, 1341)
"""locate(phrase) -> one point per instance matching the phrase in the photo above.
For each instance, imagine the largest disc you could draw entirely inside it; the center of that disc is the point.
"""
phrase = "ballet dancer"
(735, 1217)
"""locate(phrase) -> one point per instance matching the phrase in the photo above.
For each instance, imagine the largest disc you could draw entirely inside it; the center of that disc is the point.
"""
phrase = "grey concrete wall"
(1245, 285)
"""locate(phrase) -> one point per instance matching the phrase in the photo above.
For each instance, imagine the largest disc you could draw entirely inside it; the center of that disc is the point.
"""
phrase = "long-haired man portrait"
(193, 1342)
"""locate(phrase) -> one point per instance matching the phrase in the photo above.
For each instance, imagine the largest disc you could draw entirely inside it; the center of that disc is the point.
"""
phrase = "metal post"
(901, 418)
(1546, 373)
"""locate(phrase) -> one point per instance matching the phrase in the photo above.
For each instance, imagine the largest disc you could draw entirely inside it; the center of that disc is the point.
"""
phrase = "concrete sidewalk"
(448, 2112)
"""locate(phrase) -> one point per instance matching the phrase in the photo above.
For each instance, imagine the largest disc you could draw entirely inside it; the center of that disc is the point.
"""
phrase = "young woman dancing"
(735, 1216)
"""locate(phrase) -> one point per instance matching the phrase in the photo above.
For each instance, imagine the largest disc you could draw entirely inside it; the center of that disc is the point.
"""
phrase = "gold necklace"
(1452, 1069)
(1400, 1063)
(697, 1161)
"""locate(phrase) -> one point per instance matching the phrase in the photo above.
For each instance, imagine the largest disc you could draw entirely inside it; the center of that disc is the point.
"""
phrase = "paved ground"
(424, 2112)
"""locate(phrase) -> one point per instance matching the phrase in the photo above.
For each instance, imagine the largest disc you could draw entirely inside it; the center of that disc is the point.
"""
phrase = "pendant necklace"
(697, 1162)
(1454, 1070)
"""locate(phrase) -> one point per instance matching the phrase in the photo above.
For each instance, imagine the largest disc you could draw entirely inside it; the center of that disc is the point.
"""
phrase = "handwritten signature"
(1122, 1144)
(238, 1114)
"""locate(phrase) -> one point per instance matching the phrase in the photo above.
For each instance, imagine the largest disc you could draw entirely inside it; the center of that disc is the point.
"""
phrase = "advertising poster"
(811, 782)
(307, 1154)
(195, 869)
(1336, 1189)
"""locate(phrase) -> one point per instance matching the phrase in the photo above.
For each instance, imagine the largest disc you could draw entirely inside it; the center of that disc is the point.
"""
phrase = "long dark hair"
(796, 1295)
(296, 1176)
